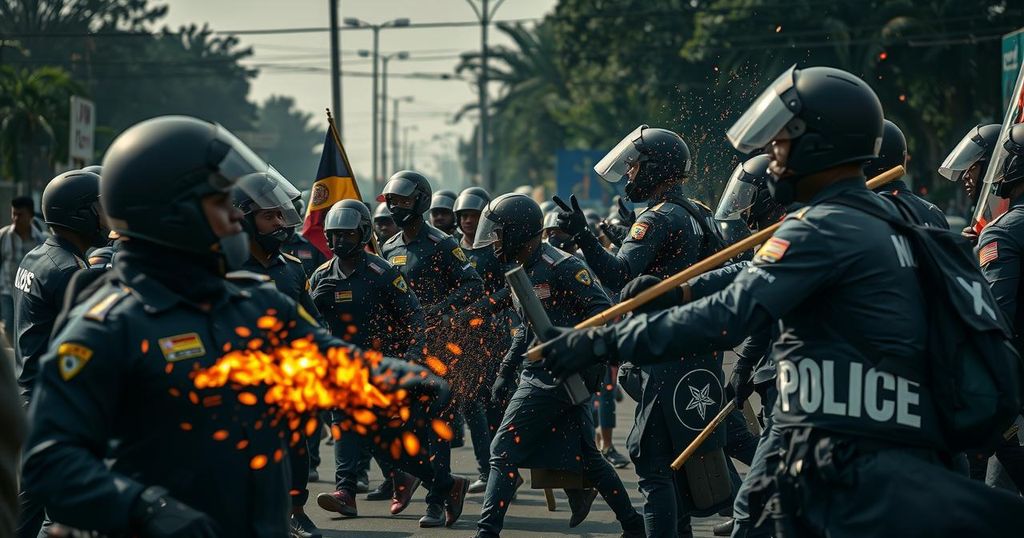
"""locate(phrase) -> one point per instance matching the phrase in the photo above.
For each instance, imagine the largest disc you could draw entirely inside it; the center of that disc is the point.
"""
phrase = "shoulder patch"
(988, 253)
(459, 254)
(247, 275)
(638, 230)
(399, 282)
(290, 257)
(583, 277)
(100, 310)
(773, 250)
(398, 261)
(71, 358)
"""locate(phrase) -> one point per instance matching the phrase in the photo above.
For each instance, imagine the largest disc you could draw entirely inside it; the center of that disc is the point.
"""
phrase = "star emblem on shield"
(700, 400)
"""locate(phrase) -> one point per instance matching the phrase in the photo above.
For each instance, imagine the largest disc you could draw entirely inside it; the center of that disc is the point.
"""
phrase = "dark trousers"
(903, 492)
(526, 428)
(475, 415)
(298, 459)
(663, 515)
(769, 442)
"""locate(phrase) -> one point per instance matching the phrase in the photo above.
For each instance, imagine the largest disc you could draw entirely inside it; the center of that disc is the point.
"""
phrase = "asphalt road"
(527, 517)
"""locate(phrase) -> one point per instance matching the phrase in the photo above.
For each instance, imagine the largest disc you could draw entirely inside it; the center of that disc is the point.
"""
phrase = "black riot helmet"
(94, 168)
(155, 175)
(976, 147)
(892, 153)
(347, 215)
(71, 201)
(509, 222)
(1011, 173)
(746, 196)
(411, 184)
(471, 199)
(266, 191)
(382, 212)
(443, 199)
(645, 158)
(829, 116)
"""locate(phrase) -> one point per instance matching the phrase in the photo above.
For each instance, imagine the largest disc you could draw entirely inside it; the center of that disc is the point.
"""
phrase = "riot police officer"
(999, 255)
(383, 223)
(543, 427)
(835, 280)
(364, 301)
(189, 461)
(968, 164)
(445, 283)
(442, 212)
(893, 152)
(70, 205)
(269, 219)
(666, 238)
(297, 245)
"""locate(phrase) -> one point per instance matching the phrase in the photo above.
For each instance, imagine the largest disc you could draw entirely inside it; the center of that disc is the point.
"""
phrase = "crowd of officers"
(168, 255)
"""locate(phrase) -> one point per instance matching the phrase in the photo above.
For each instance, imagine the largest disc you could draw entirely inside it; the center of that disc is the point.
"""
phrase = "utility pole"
(336, 69)
(395, 144)
(484, 14)
(384, 105)
(357, 23)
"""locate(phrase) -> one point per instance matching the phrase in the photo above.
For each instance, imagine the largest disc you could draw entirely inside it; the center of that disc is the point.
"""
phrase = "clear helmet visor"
(238, 162)
(614, 166)
(398, 186)
(766, 118)
(968, 152)
(738, 196)
(440, 201)
(289, 189)
(262, 191)
(342, 218)
(487, 232)
(469, 201)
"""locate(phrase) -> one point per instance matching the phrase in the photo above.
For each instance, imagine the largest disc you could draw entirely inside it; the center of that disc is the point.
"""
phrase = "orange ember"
(442, 429)
(436, 366)
(412, 444)
(476, 322)
(258, 462)
(454, 348)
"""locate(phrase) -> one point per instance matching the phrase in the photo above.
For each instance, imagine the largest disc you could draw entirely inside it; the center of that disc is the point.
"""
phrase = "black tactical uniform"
(542, 427)
(437, 269)
(999, 255)
(300, 247)
(287, 273)
(893, 152)
(861, 440)
(70, 208)
(676, 399)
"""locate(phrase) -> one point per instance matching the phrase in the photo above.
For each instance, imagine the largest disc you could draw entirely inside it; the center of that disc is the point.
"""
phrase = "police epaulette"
(799, 214)
(100, 310)
(436, 235)
(376, 268)
(325, 264)
(290, 257)
(699, 204)
(562, 256)
(657, 207)
(247, 275)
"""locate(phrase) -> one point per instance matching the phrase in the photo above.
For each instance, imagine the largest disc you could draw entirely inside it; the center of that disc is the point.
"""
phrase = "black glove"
(572, 351)
(503, 386)
(969, 234)
(626, 214)
(157, 515)
(571, 220)
(615, 233)
(741, 384)
(673, 297)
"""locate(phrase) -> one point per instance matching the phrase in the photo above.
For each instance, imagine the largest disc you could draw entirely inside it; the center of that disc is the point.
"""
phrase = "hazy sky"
(432, 50)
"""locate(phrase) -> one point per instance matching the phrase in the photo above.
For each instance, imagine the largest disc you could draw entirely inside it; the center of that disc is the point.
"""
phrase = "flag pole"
(355, 184)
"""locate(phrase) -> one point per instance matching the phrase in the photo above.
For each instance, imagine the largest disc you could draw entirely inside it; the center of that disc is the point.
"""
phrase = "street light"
(359, 23)
(394, 130)
(403, 55)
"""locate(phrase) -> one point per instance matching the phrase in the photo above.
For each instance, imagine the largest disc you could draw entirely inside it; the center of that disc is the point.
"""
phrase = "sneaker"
(382, 492)
(303, 527)
(362, 486)
(314, 476)
(455, 501)
(341, 502)
(724, 528)
(405, 486)
(434, 517)
(479, 486)
(580, 502)
(613, 457)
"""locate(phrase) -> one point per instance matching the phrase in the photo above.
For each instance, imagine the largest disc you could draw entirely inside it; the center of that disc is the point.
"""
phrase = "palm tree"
(34, 108)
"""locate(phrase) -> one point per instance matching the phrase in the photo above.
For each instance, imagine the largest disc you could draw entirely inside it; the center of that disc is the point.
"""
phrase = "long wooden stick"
(703, 435)
(699, 268)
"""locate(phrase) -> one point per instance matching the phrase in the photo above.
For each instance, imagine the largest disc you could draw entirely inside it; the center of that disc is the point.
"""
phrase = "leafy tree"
(293, 139)
(34, 110)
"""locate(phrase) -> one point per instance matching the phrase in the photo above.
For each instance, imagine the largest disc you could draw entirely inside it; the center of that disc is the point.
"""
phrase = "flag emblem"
(639, 230)
(181, 347)
(773, 250)
(988, 253)
(319, 194)
(343, 296)
(543, 291)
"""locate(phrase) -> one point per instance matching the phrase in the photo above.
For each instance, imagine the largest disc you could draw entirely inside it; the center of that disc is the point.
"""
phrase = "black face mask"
(343, 248)
(271, 242)
(566, 245)
(404, 216)
(782, 190)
